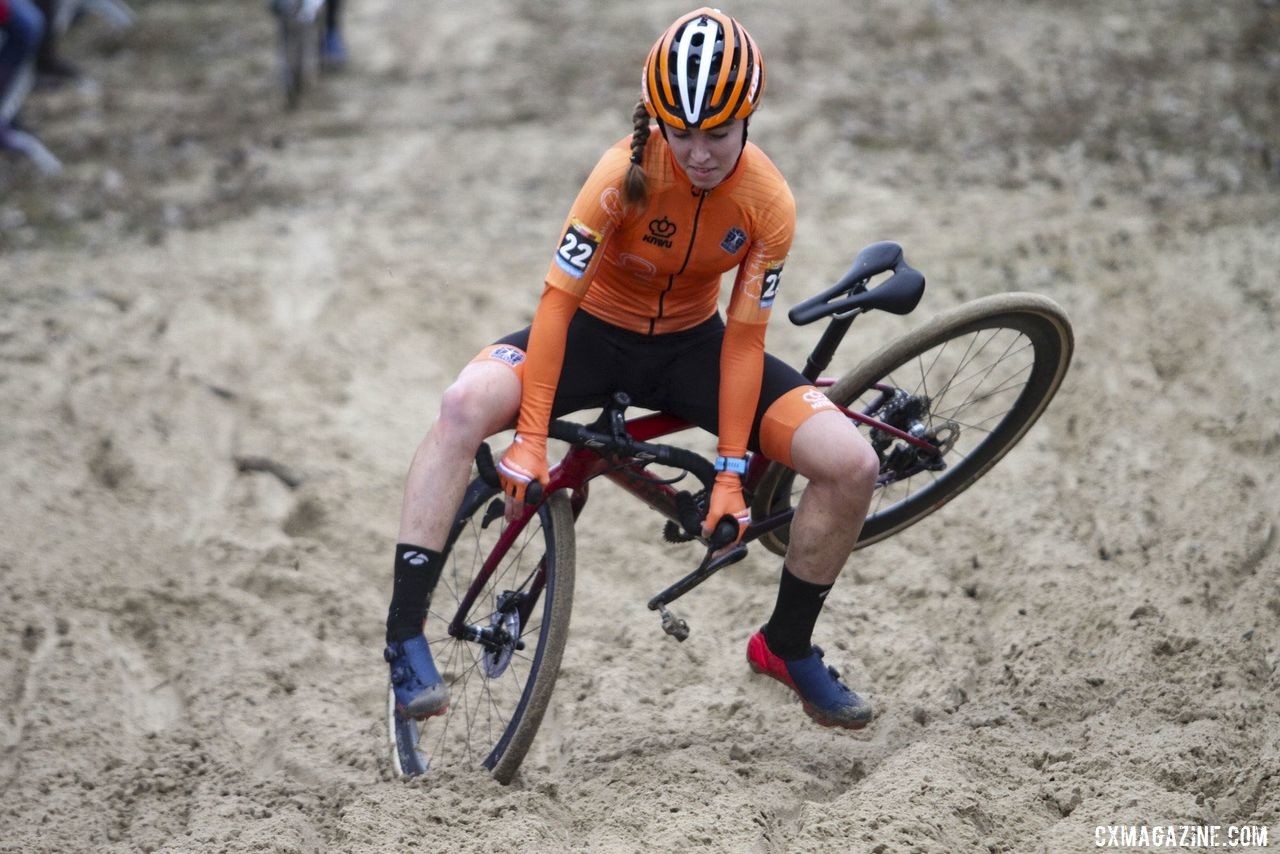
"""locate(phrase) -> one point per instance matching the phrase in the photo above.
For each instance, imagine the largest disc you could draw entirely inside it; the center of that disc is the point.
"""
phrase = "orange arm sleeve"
(545, 359)
(741, 370)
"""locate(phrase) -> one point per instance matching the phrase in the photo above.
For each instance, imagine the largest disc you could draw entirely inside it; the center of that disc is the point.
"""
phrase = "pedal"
(673, 625)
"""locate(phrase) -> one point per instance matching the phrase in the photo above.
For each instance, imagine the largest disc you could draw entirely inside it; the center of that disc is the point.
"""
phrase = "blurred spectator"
(21, 26)
(51, 68)
(334, 51)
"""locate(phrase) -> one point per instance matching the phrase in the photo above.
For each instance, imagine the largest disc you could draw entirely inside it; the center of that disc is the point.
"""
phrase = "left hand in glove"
(727, 500)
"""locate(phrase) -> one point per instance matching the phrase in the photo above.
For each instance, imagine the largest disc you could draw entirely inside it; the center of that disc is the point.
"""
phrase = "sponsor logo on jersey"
(511, 355)
(660, 232)
(611, 202)
(577, 248)
(634, 264)
(733, 240)
(772, 279)
(817, 400)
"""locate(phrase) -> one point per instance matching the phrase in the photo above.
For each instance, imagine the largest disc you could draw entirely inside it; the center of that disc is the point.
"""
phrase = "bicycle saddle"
(899, 294)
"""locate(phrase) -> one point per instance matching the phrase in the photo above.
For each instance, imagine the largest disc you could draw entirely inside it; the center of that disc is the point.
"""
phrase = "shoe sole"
(431, 706)
(815, 714)
(423, 715)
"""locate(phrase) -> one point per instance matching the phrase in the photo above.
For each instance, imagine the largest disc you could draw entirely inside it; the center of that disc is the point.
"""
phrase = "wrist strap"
(737, 465)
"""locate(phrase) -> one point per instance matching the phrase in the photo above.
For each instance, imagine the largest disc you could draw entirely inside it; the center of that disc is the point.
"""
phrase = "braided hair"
(634, 186)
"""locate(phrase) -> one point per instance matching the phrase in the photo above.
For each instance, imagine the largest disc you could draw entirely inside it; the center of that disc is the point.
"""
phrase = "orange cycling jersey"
(657, 269)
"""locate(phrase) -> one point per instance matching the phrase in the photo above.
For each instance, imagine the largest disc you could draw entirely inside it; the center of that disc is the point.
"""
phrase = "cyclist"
(22, 26)
(630, 303)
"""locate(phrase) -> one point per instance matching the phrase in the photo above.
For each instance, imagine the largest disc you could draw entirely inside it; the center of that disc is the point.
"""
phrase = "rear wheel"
(502, 665)
(971, 382)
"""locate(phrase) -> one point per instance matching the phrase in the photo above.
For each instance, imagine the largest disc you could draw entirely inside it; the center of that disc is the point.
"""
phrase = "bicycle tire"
(497, 699)
(1002, 320)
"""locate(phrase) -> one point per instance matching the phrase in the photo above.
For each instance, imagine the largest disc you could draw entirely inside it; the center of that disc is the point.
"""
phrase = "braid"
(634, 185)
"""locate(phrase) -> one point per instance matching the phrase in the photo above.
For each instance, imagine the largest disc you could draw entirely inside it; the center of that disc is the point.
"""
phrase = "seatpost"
(825, 349)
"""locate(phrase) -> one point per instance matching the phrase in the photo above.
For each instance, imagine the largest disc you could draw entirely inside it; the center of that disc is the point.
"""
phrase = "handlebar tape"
(726, 531)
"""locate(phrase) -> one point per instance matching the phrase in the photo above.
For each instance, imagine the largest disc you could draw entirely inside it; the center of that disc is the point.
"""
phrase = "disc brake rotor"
(504, 627)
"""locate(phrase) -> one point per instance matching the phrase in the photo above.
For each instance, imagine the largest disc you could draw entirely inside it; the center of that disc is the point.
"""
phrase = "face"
(707, 156)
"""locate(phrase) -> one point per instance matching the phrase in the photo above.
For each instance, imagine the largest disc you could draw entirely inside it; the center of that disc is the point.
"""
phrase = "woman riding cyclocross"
(630, 304)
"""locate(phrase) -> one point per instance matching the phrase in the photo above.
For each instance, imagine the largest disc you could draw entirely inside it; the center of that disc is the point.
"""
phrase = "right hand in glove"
(523, 463)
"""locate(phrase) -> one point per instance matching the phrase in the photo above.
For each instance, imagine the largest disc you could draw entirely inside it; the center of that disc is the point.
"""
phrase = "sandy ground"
(190, 654)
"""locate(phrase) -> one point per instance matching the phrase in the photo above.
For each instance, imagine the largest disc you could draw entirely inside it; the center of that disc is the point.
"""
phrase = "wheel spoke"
(490, 680)
(978, 375)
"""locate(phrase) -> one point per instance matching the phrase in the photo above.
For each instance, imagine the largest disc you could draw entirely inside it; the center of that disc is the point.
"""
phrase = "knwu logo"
(660, 232)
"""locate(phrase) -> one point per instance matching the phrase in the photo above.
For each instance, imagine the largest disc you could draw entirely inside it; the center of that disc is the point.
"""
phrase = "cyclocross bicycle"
(940, 406)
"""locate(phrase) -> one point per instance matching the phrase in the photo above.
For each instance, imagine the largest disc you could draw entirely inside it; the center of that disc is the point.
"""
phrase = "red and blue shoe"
(419, 689)
(825, 698)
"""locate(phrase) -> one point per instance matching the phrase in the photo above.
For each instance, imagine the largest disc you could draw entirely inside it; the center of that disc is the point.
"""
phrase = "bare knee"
(863, 464)
(850, 466)
(476, 405)
(832, 453)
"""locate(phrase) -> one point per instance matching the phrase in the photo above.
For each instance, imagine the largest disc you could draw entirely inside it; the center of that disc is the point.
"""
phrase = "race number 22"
(577, 248)
(772, 279)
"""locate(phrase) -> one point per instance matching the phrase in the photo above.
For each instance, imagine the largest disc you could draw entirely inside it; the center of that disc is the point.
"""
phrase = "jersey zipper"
(671, 280)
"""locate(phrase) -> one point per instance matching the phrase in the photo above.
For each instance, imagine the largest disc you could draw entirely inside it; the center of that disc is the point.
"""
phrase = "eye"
(721, 135)
(680, 134)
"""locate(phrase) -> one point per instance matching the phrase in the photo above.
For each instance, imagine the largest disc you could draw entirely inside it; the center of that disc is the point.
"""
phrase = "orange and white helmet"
(705, 70)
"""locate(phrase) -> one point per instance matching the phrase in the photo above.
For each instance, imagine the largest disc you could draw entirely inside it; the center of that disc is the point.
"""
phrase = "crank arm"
(710, 566)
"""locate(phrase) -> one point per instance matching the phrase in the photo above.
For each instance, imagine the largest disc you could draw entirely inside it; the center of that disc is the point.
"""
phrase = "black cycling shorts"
(678, 372)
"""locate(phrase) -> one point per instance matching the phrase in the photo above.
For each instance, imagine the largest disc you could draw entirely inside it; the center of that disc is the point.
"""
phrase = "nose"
(699, 153)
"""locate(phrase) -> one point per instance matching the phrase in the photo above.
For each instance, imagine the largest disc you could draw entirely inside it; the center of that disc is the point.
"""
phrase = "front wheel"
(507, 594)
(971, 382)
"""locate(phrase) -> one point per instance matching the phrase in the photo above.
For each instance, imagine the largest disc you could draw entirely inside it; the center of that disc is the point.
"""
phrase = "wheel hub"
(907, 412)
(502, 636)
(910, 414)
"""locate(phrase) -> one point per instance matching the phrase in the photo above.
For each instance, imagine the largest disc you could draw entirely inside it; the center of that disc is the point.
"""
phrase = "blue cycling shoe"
(419, 689)
(826, 699)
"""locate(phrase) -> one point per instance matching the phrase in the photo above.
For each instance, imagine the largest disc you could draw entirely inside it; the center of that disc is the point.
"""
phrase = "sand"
(190, 648)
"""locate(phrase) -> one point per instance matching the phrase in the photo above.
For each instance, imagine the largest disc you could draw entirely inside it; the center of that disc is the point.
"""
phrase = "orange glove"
(524, 462)
(727, 500)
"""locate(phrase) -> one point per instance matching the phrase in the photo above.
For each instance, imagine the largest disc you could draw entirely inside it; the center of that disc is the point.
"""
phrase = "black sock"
(417, 571)
(789, 632)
